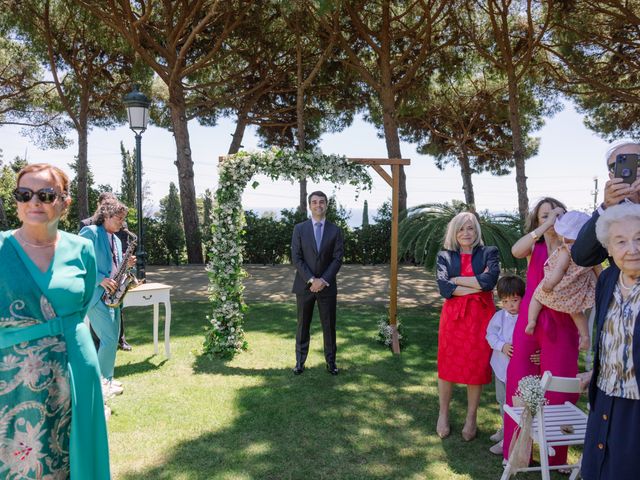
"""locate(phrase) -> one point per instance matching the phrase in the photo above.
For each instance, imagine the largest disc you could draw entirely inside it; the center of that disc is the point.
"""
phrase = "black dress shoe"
(298, 369)
(332, 369)
(124, 346)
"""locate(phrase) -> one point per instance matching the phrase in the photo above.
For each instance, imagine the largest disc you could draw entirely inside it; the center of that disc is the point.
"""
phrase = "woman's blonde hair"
(456, 223)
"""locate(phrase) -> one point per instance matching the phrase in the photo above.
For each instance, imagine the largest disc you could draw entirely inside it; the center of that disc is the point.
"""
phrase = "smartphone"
(626, 167)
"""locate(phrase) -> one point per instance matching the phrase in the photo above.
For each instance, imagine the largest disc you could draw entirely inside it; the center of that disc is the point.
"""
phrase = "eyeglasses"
(45, 195)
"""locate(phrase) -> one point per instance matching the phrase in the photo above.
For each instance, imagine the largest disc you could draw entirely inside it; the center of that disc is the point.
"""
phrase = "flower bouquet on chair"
(529, 395)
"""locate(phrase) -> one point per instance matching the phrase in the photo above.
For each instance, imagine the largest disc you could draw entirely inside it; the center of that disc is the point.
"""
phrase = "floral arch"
(224, 334)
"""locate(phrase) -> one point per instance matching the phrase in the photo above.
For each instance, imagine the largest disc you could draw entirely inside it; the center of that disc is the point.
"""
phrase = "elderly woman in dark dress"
(612, 442)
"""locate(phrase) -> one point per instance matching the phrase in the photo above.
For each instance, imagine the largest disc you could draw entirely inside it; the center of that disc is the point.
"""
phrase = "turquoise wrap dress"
(52, 423)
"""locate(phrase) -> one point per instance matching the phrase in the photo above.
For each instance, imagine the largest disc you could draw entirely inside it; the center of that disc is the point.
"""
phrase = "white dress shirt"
(499, 332)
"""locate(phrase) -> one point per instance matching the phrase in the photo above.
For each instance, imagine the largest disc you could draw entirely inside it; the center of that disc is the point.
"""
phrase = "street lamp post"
(138, 112)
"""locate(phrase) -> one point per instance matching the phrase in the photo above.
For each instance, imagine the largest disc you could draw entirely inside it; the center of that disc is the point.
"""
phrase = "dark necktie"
(318, 234)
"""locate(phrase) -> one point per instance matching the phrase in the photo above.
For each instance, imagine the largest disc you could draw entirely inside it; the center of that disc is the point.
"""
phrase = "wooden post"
(393, 298)
(394, 182)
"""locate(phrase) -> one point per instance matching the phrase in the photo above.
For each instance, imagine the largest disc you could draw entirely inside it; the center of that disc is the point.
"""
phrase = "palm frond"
(423, 229)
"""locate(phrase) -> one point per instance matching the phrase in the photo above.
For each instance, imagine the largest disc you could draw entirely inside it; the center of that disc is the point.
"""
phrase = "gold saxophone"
(123, 276)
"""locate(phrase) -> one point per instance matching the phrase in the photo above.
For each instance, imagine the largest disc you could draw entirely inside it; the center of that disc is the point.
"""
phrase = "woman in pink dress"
(556, 336)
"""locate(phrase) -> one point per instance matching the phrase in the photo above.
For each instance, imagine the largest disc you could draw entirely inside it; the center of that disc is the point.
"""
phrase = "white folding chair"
(552, 417)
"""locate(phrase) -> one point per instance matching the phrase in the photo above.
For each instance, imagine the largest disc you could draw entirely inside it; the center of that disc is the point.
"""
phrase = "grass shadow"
(251, 418)
(124, 370)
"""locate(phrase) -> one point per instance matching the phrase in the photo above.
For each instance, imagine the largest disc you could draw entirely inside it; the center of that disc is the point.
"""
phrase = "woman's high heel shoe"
(442, 428)
(469, 434)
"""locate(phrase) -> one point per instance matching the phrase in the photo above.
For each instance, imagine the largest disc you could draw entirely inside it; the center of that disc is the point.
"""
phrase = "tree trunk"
(3, 216)
(300, 133)
(392, 140)
(518, 146)
(467, 185)
(82, 164)
(238, 134)
(184, 163)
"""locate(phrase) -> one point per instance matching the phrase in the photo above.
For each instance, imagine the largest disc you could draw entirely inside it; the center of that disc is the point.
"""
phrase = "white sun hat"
(569, 224)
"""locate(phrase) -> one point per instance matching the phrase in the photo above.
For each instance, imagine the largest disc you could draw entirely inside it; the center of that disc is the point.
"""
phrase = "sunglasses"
(45, 195)
(611, 167)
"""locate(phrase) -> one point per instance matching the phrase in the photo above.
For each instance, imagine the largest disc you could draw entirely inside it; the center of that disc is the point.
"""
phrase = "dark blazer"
(482, 258)
(587, 251)
(311, 263)
(604, 293)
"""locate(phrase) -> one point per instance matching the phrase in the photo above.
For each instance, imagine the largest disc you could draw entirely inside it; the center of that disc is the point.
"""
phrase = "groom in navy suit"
(317, 249)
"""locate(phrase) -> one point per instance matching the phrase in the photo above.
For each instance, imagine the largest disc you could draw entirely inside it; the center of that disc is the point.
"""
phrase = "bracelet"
(534, 235)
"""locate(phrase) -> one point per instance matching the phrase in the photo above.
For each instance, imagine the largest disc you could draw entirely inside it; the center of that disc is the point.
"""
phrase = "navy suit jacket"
(482, 258)
(604, 293)
(311, 263)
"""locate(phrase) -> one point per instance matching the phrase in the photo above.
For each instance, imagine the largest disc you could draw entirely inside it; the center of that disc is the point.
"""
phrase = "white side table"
(153, 294)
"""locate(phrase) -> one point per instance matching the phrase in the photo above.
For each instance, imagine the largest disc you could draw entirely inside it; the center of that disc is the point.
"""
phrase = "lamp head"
(137, 109)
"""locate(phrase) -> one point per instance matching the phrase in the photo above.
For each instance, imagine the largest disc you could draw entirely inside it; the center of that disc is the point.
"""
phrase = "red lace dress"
(463, 351)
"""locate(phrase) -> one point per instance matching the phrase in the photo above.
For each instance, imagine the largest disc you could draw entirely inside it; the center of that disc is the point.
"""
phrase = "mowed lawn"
(250, 418)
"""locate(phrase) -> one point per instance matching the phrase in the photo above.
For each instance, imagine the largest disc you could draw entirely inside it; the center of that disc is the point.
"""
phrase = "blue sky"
(570, 157)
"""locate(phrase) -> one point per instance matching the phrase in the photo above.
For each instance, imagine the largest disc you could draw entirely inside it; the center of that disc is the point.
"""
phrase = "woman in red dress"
(467, 272)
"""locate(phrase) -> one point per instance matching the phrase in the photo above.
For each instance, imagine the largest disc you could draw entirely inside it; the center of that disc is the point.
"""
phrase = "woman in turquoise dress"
(52, 423)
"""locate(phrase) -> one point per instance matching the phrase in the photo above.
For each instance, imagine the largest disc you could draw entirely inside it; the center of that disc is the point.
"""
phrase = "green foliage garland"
(224, 334)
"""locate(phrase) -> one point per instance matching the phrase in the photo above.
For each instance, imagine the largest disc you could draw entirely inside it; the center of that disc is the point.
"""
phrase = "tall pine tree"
(171, 220)
(128, 180)
(207, 210)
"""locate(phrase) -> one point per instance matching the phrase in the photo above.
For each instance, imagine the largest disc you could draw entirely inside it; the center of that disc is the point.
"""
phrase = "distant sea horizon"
(355, 214)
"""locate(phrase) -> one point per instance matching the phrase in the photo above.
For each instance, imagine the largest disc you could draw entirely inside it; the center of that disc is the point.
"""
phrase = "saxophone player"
(124, 238)
(105, 321)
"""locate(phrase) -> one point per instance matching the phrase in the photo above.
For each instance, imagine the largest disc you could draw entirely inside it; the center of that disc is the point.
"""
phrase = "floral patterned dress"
(52, 423)
(575, 292)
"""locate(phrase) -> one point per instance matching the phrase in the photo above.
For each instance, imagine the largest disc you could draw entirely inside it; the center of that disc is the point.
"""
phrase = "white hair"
(617, 213)
(619, 146)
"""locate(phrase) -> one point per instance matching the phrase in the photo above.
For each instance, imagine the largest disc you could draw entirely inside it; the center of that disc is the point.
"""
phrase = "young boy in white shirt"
(499, 335)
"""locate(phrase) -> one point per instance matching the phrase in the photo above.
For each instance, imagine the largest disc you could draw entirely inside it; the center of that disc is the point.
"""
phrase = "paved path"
(358, 284)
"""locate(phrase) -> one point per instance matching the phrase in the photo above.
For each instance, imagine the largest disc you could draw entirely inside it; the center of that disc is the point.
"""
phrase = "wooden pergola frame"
(394, 182)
